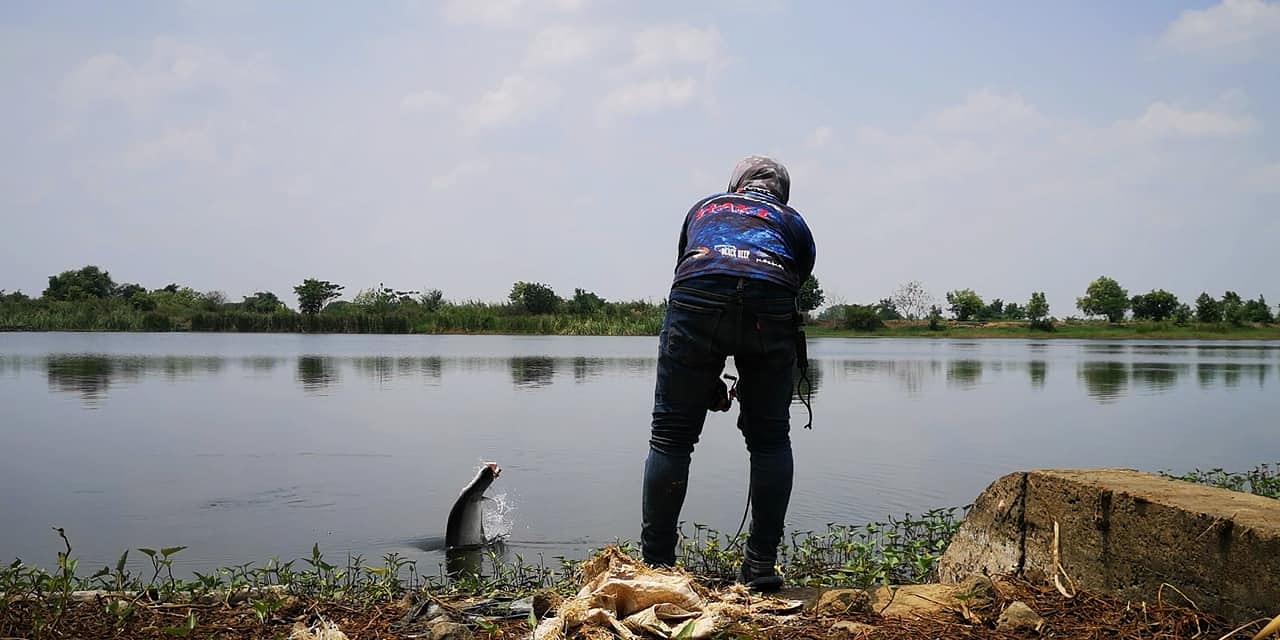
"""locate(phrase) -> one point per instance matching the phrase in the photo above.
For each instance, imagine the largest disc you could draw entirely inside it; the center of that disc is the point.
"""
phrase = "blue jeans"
(707, 319)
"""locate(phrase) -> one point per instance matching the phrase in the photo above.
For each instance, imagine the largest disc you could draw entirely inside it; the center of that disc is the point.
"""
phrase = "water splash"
(497, 513)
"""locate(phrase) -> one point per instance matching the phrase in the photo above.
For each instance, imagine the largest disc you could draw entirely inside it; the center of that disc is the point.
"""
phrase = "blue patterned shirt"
(748, 234)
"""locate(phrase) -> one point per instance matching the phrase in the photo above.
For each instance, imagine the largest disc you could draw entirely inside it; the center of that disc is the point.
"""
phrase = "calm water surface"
(245, 447)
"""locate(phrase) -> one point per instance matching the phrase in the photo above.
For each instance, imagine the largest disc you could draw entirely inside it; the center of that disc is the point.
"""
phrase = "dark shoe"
(762, 581)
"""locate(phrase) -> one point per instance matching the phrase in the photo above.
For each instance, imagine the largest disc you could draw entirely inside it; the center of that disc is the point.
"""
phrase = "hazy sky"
(462, 145)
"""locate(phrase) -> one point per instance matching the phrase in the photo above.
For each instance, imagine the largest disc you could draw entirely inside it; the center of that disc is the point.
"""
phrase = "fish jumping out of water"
(465, 528)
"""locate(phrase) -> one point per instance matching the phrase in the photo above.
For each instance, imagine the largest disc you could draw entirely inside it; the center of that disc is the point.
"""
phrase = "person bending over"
(743, 255)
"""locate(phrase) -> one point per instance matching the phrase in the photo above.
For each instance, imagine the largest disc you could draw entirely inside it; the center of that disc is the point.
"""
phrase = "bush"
(156, 322)
(862, 318)
(935, 319)
(534, 297)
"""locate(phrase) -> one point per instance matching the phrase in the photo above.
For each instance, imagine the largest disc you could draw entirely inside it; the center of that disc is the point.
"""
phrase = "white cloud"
(647, 96)
(177, 145)
(987, 110)
(820, 137)
(424, 100)
(172, 67)
(1241, 28)
(504, 13)
(1164, 119)
(561, 45)
(678, 44)
(516, 99)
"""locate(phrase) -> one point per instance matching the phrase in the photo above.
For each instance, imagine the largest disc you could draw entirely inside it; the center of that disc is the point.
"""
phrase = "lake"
(247, 447)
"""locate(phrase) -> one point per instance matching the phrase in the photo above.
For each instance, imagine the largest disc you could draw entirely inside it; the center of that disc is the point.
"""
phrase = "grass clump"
(1262, 480)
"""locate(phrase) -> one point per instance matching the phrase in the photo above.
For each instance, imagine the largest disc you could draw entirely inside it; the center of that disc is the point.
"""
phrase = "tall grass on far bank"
(618, 319)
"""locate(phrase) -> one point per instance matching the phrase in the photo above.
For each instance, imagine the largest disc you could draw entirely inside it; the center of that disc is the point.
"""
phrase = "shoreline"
(1117, 334)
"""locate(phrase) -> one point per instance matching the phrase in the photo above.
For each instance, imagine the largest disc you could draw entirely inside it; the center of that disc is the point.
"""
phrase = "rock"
(976, 591)
(449, 631)
(850, 629)
(838, 602)
(914, 600)
(1125, 534)
(289, 607)
(1019, 617)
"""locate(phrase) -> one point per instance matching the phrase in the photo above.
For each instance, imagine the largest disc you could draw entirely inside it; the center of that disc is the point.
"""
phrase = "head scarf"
(763, 174)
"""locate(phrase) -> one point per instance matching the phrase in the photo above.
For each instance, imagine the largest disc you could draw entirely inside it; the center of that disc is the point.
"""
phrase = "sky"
(1007, 147)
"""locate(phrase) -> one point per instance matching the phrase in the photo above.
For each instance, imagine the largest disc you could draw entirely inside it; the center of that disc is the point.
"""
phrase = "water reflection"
(430, 368)
(910, 374)
(1105, 381)
(1037, 369)
(316, 373)
(585, 369)
(380, 368)
(1230, 374)
(964, 374)
(1104, 349)
(260, 364)
(1240, 351)
(1158, 376)
(91, 375)
(1155, 369)
(532, 371)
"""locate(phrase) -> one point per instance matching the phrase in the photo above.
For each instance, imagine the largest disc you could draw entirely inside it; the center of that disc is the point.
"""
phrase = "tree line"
(1104, 298)
(89, 299)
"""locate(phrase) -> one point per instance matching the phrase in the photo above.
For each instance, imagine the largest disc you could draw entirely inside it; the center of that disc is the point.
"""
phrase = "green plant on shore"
(1262, 480)
(187, 627)
(898, 550)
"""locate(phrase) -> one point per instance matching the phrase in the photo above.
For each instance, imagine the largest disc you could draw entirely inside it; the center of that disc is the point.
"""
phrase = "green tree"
(585, 303)
(175, 298)
(935, 319)
(1258, 311)
(1104, 297)
(213, 300)
(1233, 308)
(17, 297)
(811, 296)
(964, 304)
(993, 310)
(1208, 309)
(382, 299)
(127, 291)
(431, 300)
(1156, 305)
(313, 294)
(534, 297)
(136, 295)
(262, 302)
(887, 309)
(1038, 311)
(1012, 311)
(80, 284)
(1182, 315)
